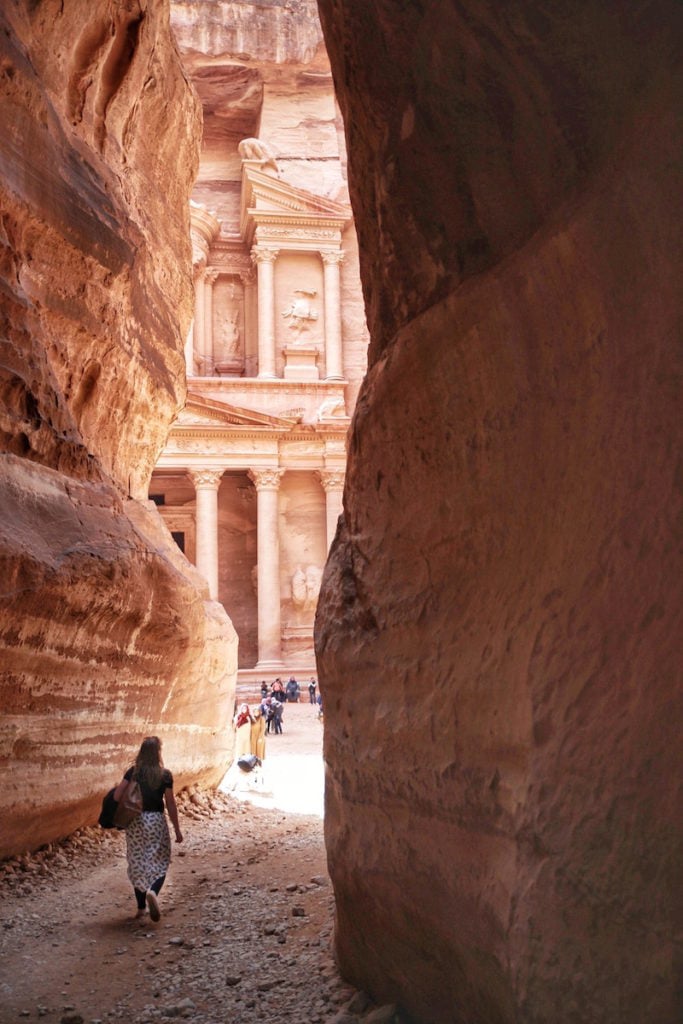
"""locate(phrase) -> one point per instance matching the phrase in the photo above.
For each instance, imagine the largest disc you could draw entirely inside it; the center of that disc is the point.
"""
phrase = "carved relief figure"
(299, 589)
(306, 587)
(300, 312)
(314, 578)
(258, 150)
(230, 333)
(332, 408)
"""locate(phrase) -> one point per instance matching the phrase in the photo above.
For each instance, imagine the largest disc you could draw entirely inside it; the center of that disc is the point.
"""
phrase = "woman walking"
(148, 843)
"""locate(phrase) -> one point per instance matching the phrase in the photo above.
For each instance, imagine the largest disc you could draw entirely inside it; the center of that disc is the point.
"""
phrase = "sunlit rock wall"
(105, 634)
(499, 634)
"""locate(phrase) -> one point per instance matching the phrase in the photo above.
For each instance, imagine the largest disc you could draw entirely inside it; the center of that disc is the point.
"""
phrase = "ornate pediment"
(201, 412)
(270, 205)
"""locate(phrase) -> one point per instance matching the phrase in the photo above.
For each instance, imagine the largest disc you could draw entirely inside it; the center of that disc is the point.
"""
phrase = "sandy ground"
(247, 913)
(292, 778)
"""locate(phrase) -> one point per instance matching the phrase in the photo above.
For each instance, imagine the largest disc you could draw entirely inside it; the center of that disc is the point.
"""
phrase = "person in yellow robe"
(258, 734)
(243, 723)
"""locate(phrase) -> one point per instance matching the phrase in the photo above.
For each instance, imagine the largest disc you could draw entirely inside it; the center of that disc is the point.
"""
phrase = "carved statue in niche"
(260, 152)
(230, 333)
(300, 313)
(229, 353)
(306, 587)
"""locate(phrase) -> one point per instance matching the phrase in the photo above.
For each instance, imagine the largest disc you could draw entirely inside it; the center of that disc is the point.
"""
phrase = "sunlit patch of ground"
(292, 776)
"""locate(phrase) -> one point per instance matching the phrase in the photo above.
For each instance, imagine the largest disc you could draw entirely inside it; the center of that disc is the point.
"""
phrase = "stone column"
(264, 259)
(209, 281)
(248, 279)
(189, 352)
(333, 484)
(199, 343)
(267, 483)
(333, 335)
(206, 484)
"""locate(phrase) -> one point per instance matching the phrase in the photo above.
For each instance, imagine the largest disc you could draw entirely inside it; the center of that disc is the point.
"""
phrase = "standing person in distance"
(148, 842)
(243, 723)
(278, 709)
(311, 691)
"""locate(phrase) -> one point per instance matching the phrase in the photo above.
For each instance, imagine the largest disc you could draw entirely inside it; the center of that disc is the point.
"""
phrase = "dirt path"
(247, 914)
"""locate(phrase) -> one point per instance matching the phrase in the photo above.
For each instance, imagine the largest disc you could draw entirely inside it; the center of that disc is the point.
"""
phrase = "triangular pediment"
(268, 199)
(206, 412)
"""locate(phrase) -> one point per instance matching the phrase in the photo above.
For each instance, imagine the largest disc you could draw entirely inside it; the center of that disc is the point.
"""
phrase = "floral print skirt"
(148, 849)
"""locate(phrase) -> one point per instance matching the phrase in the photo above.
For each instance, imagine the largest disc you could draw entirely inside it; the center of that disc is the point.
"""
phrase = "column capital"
(211, 275)
(266, 479)
(207, 479)
(331, 479)
(332, 258)
(248, 277)
(264, 254)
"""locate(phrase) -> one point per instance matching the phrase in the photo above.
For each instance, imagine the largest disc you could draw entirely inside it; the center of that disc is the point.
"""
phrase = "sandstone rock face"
(95, 237)
(106, 636)
(105, 631)
(499, 631)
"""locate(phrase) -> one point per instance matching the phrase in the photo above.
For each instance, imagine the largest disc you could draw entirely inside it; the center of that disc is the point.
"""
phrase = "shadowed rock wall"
(105, 632)
(499, 631)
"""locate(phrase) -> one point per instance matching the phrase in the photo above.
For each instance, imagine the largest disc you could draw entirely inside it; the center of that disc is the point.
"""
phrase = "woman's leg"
(140, 899)
(156, 886)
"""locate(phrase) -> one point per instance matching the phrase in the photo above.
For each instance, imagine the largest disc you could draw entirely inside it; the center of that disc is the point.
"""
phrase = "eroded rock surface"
(105, 632)
(499, 633)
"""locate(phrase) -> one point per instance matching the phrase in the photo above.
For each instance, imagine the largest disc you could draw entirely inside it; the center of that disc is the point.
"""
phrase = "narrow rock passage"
(245, 933)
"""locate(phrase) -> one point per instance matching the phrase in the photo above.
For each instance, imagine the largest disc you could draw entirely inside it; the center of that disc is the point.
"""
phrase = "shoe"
(153, 904)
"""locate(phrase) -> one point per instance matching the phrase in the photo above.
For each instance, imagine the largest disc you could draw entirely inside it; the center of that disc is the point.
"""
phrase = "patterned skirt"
(148, 849)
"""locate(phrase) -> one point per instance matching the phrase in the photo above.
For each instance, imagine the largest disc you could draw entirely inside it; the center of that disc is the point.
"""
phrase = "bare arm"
(172, 809)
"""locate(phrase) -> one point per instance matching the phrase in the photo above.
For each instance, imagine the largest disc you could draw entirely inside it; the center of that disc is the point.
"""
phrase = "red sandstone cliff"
(105, 632)
(499, 633)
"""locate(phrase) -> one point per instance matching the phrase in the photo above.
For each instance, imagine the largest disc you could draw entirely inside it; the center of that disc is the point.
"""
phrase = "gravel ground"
(245, 933)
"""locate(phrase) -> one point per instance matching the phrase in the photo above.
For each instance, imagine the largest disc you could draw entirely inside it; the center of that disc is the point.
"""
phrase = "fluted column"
(264, 258)
(333, 485)
(198, 329)
(333, 334)
(206, 484)
(267, 483)
(209, 281)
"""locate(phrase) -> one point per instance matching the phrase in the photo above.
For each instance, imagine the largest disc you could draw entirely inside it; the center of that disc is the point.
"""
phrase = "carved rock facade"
(499, 631)
(97, 154)
(278, 343)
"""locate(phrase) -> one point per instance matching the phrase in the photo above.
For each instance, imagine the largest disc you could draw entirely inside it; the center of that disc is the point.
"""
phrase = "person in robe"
(243, 723)
(258, 734)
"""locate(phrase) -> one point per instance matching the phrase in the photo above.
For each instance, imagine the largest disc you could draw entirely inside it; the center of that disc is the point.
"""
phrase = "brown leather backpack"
(129, 806)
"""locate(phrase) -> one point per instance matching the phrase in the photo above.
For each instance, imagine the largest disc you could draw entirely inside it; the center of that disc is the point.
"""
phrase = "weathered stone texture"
(106, 636)
(499, 631)
(105, 633)
(271, 31)
(97, 156)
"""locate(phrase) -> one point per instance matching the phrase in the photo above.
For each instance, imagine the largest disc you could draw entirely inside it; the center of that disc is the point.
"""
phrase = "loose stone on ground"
(245, 933)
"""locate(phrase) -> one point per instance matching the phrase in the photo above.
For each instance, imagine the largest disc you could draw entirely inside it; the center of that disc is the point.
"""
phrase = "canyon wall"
(499, 631)
(106, 632)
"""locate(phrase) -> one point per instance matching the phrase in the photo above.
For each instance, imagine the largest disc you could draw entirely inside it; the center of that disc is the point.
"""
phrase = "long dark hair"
(149, 768)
